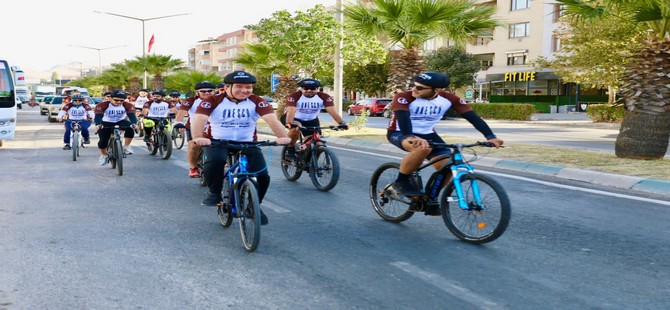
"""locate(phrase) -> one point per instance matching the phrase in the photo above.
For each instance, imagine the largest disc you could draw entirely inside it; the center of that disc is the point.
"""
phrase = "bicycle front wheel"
(487, 212)
(111, 154)
(178, 138)
(290, 168)
(326, 170)
(118, 154)
(153, 146)
(200, 165)
(225, 209)
(249, 215)
(75, 146)
(165, 145)
(392, 209)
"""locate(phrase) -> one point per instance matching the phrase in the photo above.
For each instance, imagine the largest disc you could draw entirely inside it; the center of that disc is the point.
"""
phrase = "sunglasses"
(77, 100)
(309, 88)
(420, 87)
(119, 100)
(206, 90)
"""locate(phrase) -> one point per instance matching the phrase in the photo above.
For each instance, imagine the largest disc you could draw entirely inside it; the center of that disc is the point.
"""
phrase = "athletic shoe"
(193, 173)
(146, 139)
(290, 154)
(103, 160)
(87, 140)
(212, 200)
(406, 188)
(264, 218)
(127, 150)
(67, 147)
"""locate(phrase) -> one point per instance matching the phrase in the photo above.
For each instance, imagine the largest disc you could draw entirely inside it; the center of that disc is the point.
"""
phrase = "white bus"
(7, 102)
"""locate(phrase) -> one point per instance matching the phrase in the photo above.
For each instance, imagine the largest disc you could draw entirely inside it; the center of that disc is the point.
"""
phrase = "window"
(555, 43)
(517, 58)
(520, 4)
(519, 30)
(559, 10)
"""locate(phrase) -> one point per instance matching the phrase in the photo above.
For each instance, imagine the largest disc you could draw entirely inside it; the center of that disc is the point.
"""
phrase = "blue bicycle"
(474, 207)
(240, 193)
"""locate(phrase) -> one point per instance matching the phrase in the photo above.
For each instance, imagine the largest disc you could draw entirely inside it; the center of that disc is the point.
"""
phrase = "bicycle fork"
(458, 171)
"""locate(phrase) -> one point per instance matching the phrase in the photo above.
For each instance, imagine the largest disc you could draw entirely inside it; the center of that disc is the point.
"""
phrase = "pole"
(99, 52)
(339, 61)
(144, 55)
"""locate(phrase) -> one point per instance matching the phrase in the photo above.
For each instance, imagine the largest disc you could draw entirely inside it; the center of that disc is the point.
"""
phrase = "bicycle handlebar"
(243, 145)
(461, 145)
(331, 127)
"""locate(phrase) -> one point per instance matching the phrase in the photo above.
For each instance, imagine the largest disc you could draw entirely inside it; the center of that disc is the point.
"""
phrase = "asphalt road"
(75, 235)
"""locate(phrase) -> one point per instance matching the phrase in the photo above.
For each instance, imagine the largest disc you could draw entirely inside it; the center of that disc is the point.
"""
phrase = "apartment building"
(218, 55)
(203, 56)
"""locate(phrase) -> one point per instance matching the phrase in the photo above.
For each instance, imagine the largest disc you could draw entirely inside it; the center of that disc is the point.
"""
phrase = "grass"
(543, 154)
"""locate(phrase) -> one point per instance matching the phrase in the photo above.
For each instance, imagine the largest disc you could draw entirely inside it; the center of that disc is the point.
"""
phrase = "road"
(75, 235)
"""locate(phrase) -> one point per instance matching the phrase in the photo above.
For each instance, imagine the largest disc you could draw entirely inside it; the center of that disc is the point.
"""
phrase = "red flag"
(151, 43)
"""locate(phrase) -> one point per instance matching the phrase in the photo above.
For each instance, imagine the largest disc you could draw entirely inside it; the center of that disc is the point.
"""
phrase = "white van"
(83, 91)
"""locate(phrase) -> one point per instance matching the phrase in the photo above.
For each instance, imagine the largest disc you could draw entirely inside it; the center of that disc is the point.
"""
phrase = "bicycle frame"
(75, 129)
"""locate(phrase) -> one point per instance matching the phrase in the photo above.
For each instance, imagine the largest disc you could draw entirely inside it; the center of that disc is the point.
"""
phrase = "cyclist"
(176, 100)
(111, 113)
(154, 109)
(232, 116)
(412, 127)
(76, 110)
(142, 98)
(203, 90)
(220, 88)
(303, 108)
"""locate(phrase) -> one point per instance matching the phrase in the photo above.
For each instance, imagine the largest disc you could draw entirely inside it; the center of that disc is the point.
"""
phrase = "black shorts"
(396, 138)
(305, 132)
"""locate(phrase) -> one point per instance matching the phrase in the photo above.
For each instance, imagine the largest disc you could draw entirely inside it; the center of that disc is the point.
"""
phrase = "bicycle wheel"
(110, 152)
(224, 210)
(118, 154)
(326, 171)
(178, 138)
(482, 221)
(392, 209)
(74, 141)
(200, 165)
(165, 144)
(249, 215)
(291, 168)
(153, 146)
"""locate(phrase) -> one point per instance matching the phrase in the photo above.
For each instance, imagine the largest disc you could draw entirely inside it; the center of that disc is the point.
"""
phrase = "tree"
(184, 81)
(370, 78)
(298, 46)
(409, 24)
(645, 129)
(594, 54)
(460, 66)
(157, 66)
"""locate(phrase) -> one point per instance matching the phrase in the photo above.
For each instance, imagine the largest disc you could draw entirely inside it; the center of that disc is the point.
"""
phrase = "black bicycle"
(474, 207)
(115, 148)
(200, 165)
(161, 137)
(312, 155)
(240, 193)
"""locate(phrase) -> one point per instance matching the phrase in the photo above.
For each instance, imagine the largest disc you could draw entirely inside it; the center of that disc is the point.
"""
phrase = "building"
(218, 55)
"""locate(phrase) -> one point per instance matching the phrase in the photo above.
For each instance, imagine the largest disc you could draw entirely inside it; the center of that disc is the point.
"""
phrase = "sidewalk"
(560, 119)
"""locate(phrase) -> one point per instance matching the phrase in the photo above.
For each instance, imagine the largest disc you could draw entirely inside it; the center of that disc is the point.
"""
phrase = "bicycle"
(200, 165)
(240, 194)
(474, 207)
(161, 138)
(178, 138)
(76, 138)
(115, 149)
(312, 155)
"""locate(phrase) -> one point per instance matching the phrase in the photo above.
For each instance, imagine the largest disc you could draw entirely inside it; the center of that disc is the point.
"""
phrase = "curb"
(588, 176)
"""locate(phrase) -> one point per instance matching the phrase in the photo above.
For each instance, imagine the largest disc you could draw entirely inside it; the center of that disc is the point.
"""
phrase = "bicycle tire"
(391, 210)
(326, 170)
(153, 146)
(249, 214)
(476, 225)
(178, 138)
(224, 210)
(165, 145)
(292, 169)
(75, 146)
(200, 165)
(118, 153)
(110, 152)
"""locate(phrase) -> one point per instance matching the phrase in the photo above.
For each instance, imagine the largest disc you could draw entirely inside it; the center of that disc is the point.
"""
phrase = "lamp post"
(98, 49)
(144, 46)
(339, 61)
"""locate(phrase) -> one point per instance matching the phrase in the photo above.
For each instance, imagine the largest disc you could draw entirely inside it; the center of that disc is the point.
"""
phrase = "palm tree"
(645, 129)
(156, 66)
(408, 24)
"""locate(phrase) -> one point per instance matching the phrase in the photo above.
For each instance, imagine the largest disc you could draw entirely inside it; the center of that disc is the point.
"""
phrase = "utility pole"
(339, 61)
(98, 49)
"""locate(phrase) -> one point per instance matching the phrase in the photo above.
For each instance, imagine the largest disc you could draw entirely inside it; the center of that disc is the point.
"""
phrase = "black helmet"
(220, 85)
(144, 90)
(175, 94)
(77, 96)
(205, 84)
(108, 93)
(158, 92)
(119, 94)
(239, 77)
(433, 79)
(311, 83)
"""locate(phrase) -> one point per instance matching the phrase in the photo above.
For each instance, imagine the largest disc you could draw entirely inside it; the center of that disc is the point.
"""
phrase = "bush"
(508, 111)
(606, 113)
(346, 104)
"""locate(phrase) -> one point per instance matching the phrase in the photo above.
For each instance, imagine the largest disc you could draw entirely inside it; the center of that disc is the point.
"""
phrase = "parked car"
(374, 106)
(44, 105)
(57, 104)
(271, 101)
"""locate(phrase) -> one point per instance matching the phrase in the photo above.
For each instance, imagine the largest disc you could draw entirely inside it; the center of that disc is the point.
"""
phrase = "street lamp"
(98, 49)
(144, 46)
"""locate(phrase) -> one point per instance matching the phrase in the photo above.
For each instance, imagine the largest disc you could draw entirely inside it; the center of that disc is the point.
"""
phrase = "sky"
(43, 31)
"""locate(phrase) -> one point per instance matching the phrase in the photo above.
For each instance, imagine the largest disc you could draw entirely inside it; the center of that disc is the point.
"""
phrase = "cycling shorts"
(396, 138)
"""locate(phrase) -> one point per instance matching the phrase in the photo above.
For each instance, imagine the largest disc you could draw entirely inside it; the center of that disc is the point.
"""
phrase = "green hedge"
(606, 113)
(555, 100)
(508, 111)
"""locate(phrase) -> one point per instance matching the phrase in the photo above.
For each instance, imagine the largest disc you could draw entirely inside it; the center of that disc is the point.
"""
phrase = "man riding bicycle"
(412, 127)
(76, 110)
(111, 113)
(153, 110)
(303, 108)
(232, 116)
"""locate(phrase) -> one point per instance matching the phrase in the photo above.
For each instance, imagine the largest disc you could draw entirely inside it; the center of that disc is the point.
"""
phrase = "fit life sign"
(519, 76)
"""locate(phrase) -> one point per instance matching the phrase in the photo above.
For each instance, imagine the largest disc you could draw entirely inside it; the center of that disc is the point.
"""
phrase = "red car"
(374, 106)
